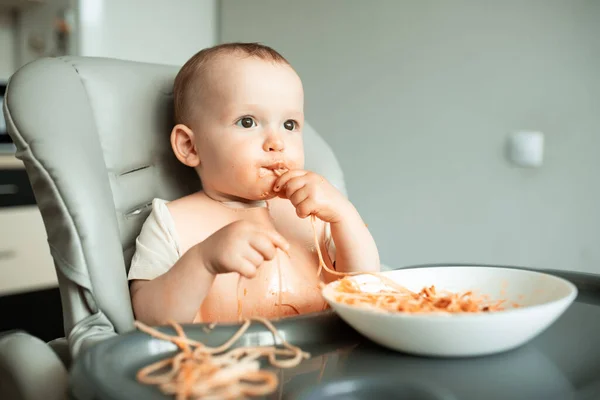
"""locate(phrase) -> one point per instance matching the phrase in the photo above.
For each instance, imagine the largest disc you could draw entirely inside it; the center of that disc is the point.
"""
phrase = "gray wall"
(417, 99)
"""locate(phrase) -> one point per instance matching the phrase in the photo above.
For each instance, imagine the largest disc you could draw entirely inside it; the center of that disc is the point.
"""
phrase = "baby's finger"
(263, 246)
(294, 185)
(246, 268)
(283, 179)
(278, 240)
(299, 196)
(254, 256)
(306, 208)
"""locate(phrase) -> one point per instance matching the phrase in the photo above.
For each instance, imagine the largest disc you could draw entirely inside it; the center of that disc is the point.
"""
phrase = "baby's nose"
(274, 143)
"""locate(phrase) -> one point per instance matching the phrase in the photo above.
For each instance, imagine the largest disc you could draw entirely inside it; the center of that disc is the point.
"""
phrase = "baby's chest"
(287, 285)
(282, 287)
(298, 232)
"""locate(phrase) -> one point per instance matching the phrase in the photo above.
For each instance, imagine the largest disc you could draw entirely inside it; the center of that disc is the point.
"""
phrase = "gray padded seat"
(93, 134)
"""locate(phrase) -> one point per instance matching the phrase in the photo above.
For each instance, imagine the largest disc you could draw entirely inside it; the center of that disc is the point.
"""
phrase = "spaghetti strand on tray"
(199, 371)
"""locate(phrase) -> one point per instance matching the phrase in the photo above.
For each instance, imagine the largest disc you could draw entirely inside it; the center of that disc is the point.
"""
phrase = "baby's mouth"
(280, 171)
(278, 168)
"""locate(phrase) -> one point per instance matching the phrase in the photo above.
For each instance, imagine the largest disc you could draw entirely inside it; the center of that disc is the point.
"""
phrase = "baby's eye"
(246, 122)
(290, 125)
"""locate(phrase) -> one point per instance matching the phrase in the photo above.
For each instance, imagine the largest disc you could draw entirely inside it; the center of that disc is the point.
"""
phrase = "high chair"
(93, 134)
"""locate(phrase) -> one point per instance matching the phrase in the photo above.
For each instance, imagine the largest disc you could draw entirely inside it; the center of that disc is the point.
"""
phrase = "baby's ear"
(183, 144)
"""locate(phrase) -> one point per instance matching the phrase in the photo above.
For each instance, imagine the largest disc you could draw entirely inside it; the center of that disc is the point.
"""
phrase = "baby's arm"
(178, 293)
(311, 194)
(175, 295)
(355, 247)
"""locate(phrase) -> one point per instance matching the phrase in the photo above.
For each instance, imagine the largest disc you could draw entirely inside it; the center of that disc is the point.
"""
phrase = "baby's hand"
(311, 194)
(240, 247)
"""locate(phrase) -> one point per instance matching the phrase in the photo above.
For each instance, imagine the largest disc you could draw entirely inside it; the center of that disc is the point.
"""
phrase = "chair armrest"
(30, 369)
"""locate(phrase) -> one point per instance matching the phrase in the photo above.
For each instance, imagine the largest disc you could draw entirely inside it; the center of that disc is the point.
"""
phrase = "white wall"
(7, 50)
(417, 99)
(159, 31)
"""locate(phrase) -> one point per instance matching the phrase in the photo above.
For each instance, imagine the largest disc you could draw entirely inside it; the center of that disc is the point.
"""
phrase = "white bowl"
(542, 298)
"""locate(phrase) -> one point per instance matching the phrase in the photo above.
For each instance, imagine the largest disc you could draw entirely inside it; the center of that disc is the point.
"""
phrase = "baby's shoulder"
(189, 205)
(192, 209)
(194, 218)
(167, 211)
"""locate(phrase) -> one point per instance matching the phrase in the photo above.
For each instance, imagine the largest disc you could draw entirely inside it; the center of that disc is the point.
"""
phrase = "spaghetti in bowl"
(451, 311)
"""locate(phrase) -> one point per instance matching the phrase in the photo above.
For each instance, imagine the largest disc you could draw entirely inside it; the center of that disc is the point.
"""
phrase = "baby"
(244, 244)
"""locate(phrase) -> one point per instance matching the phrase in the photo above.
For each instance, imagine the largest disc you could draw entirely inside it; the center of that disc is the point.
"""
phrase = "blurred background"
(468, 130)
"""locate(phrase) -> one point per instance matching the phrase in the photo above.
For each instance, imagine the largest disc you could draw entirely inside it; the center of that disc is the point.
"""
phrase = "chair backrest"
(93, 134)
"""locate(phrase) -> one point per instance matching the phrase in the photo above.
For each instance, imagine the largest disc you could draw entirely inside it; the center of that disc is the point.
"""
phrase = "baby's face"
(251, 114)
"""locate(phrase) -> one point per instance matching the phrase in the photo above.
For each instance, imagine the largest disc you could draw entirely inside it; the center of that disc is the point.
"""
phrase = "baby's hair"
(184, 86)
